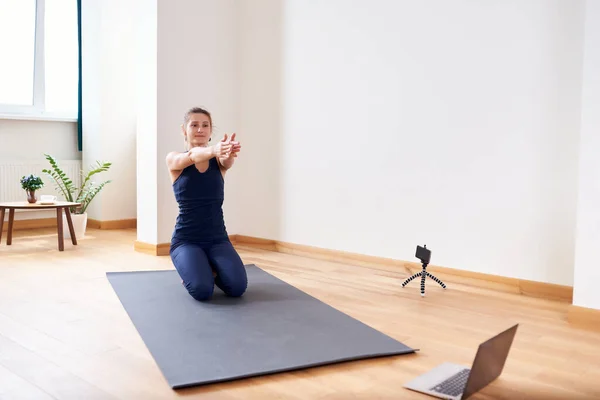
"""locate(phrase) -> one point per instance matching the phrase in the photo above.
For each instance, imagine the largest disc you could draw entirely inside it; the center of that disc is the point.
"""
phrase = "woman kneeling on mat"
(200, 247)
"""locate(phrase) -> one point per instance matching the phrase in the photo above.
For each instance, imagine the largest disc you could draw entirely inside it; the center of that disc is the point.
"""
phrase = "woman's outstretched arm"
(177, 161)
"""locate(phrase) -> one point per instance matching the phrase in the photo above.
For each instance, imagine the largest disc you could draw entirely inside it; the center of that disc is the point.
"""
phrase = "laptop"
(456, 382)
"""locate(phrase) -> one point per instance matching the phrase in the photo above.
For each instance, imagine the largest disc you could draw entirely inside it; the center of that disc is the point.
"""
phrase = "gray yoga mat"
(274, 327)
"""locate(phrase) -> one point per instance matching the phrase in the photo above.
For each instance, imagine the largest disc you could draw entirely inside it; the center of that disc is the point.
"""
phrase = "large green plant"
(83, 194)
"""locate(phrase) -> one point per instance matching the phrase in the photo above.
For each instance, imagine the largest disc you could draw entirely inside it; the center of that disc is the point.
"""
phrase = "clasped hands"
(227, 147)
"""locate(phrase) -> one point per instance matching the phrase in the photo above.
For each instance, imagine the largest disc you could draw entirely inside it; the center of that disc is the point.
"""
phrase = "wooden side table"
(59, 206)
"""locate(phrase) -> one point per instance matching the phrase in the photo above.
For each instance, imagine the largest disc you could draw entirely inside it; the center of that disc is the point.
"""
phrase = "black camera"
(423, 254)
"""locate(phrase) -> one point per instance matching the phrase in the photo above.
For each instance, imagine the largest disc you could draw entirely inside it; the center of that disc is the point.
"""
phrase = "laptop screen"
(489, 361)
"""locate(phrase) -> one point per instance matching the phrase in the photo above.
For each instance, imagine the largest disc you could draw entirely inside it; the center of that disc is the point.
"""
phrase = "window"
(40, 66)
(17, 35)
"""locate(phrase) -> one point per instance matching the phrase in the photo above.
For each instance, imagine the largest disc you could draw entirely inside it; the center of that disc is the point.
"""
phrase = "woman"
(200, 247)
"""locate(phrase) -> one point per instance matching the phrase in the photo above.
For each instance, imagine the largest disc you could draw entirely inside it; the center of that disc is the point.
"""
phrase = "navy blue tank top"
(200, 198)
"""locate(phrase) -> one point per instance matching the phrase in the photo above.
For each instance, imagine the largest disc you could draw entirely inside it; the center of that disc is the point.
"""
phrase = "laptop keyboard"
(454, 385)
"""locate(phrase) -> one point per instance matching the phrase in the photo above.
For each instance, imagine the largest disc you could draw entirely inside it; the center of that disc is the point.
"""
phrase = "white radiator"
(11, 173)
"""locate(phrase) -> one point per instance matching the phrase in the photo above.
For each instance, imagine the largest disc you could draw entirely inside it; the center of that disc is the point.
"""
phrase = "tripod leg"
(423, 275)
(437, 280)
(411, 278)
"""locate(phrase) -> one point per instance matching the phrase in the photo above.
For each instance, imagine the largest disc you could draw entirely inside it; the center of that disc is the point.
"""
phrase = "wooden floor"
(65, 335)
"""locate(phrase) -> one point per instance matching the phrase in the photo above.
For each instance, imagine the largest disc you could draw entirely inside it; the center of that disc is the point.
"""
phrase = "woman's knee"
(200, 290)
(231, 276)
(236, 286)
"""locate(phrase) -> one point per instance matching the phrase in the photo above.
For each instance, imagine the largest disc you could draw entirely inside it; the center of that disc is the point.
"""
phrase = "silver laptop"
(457, 382)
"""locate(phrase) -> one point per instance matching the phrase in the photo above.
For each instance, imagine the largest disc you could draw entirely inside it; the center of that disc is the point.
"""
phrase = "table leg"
(59, 225)
(11, 218)
(1, 223)
(70, 223)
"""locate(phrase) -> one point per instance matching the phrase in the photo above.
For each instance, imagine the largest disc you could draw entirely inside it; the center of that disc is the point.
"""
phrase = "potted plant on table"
(30, 184)
(83, 194)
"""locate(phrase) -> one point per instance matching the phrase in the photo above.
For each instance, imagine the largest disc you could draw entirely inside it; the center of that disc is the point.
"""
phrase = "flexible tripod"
(424, 254)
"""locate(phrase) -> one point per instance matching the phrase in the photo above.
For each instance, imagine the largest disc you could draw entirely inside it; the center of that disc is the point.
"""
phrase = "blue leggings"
(196, 263)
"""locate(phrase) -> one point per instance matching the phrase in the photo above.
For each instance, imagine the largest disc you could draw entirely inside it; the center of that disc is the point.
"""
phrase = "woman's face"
(198, 130)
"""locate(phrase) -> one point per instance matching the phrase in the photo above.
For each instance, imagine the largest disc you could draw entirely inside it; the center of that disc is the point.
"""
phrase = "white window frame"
(37, 111)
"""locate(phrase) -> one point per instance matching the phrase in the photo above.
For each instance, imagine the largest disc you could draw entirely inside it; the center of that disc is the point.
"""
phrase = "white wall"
(109, 104)
(453, 124)
(587, 273)
(28, 140)
(196, 65)
(146, 120)
(259, 202)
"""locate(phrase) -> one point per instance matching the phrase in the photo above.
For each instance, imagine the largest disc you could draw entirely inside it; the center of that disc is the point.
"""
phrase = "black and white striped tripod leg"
(436, 279)
(423, 275)
(411, 278)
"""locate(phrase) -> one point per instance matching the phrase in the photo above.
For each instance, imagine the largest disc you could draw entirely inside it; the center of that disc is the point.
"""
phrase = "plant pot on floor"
(79, 225)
